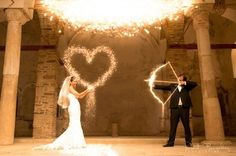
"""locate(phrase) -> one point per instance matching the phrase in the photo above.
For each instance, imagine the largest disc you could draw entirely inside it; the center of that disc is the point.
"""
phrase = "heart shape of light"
(89, 55)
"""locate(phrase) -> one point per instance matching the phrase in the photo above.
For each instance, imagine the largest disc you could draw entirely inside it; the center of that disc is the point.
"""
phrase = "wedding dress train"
(72, 140)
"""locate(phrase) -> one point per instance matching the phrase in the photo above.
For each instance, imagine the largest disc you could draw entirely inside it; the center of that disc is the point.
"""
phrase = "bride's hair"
(63, 100)
(72, 78)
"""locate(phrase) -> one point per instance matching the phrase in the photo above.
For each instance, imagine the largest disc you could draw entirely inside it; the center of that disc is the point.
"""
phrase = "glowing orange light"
(115, 15)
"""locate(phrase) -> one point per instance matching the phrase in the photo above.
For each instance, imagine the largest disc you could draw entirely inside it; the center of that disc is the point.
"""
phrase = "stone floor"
(125, 146)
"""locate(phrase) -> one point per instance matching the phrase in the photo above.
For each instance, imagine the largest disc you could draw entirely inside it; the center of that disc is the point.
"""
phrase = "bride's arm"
(77, 94)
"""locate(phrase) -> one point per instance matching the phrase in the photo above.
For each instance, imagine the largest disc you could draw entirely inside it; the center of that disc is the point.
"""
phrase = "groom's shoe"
(168, 145)
(189, 144)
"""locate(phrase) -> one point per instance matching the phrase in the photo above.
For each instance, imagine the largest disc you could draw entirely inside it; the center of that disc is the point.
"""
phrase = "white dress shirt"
(180, 101)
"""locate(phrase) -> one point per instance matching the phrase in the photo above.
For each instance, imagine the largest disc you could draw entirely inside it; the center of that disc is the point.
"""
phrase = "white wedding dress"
(72, 140)
(73, 137)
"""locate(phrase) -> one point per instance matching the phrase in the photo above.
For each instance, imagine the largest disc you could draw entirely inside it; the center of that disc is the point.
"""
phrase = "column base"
(6, 142)
(216, 143)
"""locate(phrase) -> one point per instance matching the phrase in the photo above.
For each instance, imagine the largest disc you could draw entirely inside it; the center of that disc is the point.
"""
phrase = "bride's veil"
(63, 100)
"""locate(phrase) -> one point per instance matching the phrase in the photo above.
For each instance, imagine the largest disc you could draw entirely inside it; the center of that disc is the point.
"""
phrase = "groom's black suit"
(179, 111)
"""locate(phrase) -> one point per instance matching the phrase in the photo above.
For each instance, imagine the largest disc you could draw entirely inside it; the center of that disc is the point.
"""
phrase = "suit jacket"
(183, 94)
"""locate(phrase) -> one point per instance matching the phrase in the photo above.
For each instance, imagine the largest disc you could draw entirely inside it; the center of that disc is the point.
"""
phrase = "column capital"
(16, 15)
(200, 16)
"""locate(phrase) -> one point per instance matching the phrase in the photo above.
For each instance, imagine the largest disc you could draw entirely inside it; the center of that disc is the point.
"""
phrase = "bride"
(72, 140)
(73, 137)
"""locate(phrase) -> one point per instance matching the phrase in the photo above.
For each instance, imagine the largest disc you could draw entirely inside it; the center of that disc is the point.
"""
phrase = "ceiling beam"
(32, 47)
(170, 46)
(194, 46)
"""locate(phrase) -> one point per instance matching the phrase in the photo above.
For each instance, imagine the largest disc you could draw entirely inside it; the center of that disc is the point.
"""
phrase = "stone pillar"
(214, 131)
(45, 109)
(233, 59)
(16, 19)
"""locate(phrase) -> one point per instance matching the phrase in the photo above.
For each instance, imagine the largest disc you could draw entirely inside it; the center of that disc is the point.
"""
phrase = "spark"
(124, 16)
(89, 55)
(152, 80)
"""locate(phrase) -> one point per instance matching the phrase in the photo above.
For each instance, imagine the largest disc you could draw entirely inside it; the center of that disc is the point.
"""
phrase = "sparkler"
(89, 55)
(152, 80)
(124, 17)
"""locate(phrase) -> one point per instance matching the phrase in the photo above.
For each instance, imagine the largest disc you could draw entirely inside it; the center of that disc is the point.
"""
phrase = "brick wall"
(45, 108)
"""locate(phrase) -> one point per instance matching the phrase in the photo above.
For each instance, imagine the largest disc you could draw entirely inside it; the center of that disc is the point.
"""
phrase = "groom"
(180, 104)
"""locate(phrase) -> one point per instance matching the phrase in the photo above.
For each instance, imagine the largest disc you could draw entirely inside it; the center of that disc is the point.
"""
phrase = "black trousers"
(175, 115)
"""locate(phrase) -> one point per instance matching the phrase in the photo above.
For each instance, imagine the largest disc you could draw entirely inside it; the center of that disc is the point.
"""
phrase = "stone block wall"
(45, 109)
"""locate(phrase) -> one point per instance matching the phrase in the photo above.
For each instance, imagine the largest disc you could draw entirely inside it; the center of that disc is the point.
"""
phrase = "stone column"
(214, 131)
(233, 59)
(16, 19)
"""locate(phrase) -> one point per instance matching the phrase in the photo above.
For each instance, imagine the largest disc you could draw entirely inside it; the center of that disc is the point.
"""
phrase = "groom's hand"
(182, 83)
